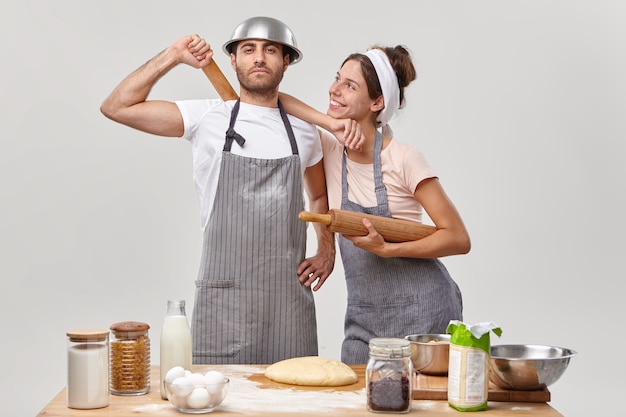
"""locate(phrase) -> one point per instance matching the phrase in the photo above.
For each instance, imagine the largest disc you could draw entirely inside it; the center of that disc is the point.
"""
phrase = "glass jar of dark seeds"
(388, 376)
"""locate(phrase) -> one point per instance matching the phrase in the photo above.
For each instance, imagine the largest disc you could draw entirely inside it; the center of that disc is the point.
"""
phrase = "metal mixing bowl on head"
(527, 367)
(430, 353)
(261, 27)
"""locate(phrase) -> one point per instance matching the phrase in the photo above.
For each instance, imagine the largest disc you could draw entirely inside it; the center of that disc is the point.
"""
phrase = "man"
(253, 301)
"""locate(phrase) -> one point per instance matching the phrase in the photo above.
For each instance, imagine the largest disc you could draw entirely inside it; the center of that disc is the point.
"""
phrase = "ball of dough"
(311, 371)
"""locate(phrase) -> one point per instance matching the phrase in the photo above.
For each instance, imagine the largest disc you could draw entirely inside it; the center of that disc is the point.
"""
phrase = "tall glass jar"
(388, 376)
(87, 369)
(130, 358)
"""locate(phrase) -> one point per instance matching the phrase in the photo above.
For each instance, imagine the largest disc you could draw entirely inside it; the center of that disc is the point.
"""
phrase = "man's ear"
(233, 61)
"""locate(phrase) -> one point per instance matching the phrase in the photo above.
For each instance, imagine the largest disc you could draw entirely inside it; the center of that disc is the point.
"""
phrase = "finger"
(371, 230)
(309, 279)
(306, 276)
(354, 145)
(319, 283)
(354, 134)
(198, 46)
(348, 132)
(349, 141)
(304, 265)
(204, 48)
(204, 56)
(193, 41)
(200, 50)
(350, 237)
(360, 141)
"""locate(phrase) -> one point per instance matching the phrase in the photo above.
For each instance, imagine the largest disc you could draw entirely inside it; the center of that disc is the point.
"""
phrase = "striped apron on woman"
(390, 297)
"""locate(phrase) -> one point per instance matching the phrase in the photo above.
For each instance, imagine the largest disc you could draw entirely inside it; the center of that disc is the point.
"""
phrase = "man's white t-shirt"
(206, 122)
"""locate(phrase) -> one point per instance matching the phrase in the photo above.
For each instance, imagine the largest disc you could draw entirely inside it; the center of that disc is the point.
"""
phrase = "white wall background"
(519, 106)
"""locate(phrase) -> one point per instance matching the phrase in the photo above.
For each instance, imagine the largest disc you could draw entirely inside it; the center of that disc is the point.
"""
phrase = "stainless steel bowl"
(527, 367)
(261, 27)
(430, 353)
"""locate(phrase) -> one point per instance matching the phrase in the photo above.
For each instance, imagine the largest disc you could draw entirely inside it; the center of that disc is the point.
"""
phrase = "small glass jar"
(388, 376)
(87, 369)
(130, 358)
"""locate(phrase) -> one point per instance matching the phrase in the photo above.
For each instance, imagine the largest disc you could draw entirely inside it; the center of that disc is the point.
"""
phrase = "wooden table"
(251, 394)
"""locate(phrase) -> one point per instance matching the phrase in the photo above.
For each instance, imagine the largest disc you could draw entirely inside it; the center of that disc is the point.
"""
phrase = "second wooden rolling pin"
(351, 223)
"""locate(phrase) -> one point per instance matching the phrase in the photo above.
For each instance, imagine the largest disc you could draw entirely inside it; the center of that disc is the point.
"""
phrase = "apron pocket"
(388, 317)
(216, 338)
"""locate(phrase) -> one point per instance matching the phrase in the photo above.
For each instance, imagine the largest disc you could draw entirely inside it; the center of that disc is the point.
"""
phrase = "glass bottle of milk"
(175, 341)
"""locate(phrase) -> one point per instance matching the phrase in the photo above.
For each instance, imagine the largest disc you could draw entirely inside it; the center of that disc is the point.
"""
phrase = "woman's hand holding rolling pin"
(372, 242)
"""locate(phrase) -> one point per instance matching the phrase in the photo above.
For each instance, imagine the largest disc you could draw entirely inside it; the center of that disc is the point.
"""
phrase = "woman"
(393, 289)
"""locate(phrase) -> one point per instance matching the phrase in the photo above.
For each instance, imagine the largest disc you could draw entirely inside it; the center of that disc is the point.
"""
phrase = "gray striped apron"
(249, 305)
(390, 297)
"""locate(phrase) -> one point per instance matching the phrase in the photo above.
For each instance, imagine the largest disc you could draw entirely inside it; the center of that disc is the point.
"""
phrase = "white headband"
(389, 84)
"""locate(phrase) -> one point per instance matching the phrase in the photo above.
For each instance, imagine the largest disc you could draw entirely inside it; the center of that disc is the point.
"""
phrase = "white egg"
(195, 379)
(199, 398)
(216, 397)
(181, 387)
(213, 379)
(173, 373)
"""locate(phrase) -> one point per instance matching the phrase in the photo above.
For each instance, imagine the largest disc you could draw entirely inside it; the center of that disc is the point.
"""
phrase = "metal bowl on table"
(527, 367)
(430, 353)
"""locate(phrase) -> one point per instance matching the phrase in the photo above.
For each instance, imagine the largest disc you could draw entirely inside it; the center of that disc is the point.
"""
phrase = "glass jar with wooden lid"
(88, 368)
(130, 358)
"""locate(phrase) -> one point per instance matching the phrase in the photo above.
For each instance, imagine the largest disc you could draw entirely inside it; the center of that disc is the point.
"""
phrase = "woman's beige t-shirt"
(403, 167)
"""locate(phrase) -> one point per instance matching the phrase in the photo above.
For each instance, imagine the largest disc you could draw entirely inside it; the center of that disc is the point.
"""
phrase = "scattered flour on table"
(246, 396)
(153, 409)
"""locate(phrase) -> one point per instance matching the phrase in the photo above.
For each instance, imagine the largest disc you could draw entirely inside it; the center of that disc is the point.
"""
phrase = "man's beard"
(260, 87)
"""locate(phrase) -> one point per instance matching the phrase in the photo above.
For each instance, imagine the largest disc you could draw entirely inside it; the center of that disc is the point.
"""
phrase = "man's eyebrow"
(252, 42)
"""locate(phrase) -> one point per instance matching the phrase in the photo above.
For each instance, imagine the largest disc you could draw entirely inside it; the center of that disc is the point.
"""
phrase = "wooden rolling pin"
(219, 81)
(351, 223)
